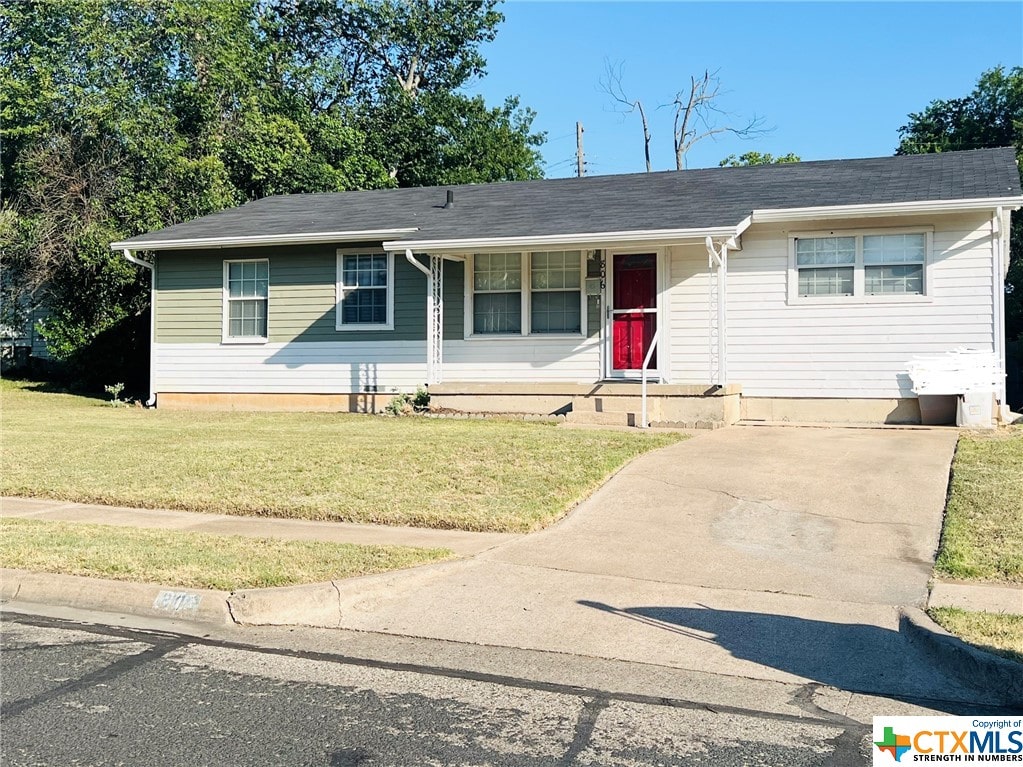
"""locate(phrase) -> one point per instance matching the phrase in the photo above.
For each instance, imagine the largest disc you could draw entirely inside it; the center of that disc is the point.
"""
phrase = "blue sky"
(833, 79)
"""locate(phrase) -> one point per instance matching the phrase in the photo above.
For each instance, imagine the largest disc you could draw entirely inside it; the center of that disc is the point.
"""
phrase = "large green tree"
(990, 116)
(123, 116)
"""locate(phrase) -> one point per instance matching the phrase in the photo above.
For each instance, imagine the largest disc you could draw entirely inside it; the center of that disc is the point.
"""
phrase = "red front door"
(633, 310)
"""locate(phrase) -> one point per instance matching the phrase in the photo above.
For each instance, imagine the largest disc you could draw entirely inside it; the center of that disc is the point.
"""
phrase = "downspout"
(151, 402)
(998, 236)
(430, 330)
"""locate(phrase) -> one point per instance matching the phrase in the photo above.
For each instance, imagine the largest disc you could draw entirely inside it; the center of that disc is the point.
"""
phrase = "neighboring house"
(20, 345)
(798, 291)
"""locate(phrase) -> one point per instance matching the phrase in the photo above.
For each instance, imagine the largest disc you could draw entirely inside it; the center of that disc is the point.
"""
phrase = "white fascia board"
(312, 238)
(771, 215)
(588, 238)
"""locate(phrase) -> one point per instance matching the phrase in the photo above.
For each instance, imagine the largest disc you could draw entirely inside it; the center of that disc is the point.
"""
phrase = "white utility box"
(971, 376)
(975, 410)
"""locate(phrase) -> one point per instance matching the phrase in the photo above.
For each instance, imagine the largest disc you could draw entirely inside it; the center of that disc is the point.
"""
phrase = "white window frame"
(859, 295)
(525, 333)
(523, 289)
(225, 330)
(339, 290)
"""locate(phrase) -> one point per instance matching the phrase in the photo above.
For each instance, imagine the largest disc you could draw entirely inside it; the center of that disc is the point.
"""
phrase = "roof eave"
(578, 239)
(772, 215)
(255, 241)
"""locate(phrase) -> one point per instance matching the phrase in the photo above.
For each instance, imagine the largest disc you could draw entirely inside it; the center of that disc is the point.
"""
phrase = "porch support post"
(435, 331)
(434, 314)
(717, 263)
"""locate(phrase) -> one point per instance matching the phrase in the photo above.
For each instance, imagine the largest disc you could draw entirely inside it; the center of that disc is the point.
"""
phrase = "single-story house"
(798, 291)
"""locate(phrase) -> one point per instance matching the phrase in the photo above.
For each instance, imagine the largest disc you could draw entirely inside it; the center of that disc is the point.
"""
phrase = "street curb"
(310, 604)
(999, 677)
(199, 605)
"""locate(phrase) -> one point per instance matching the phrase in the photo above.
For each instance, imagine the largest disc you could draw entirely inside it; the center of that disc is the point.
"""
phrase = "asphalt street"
(90, 694)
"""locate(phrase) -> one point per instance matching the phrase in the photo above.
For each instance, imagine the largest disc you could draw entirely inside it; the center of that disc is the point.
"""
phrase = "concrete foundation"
(531, 399)
(602, 403)
(830, 410)
(330, 403)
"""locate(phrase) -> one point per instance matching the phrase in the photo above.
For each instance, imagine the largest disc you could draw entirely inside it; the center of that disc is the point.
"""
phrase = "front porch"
(611, 403)
(620, 330)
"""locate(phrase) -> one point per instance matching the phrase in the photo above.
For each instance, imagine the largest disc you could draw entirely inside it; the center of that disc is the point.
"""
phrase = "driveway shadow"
(854, 657)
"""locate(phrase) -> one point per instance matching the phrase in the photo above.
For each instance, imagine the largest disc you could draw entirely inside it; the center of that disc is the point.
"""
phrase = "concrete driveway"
(839, 514)
(767, 552)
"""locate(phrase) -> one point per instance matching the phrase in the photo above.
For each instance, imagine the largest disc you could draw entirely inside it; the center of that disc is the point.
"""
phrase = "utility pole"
(579, 164)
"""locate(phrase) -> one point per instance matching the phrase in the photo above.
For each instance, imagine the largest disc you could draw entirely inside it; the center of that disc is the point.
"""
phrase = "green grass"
(982, 537)
(1001, 634)
(458, 474)
(195, 560)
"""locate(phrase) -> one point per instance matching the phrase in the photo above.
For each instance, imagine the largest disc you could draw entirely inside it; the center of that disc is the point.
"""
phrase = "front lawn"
(1001, 634)
(982, 537)
(193, 560)
(489, 475)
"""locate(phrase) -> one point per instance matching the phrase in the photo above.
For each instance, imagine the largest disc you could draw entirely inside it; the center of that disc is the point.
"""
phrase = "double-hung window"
(885, 265)
(894, 264)
(538, 293)
(246, 300)
(826, 265)
(555, 280)
(365, 298)
(497, 293)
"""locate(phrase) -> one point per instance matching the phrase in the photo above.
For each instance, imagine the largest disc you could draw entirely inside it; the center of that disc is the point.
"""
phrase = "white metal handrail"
(643, 424)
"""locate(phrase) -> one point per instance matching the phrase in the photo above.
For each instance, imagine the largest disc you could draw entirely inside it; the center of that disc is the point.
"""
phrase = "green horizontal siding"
(454, 300)
(189, 296)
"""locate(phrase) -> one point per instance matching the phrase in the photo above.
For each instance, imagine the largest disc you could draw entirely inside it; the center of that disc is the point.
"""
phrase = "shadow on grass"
(976, 627)
(849, 656)
(27, 382)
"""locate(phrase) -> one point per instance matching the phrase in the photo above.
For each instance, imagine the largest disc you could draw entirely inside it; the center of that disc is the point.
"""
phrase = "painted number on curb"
(177, 601)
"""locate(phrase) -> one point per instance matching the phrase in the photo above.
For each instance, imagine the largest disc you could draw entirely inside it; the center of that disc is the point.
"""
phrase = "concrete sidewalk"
(982, 597)
(459, 541)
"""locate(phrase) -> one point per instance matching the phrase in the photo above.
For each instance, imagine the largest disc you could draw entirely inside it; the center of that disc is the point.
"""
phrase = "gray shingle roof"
(689, 199)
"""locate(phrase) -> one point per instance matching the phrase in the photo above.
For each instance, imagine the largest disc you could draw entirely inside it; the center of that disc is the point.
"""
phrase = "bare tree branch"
(68, 198)
(611, 84)
(695, 112)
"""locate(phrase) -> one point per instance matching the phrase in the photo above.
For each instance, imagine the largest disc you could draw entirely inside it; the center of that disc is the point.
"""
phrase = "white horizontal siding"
(343, 367)
(290, 368)
(853, 349)
(689, 313)
(552, 360)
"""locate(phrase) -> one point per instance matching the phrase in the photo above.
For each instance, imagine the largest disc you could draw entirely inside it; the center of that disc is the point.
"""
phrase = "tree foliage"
(990, 116)
(757, 158)
(123, 116)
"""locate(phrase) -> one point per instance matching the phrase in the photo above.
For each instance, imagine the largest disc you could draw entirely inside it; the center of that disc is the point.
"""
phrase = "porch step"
(612, 418)
(618, 418)
(608, 404)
